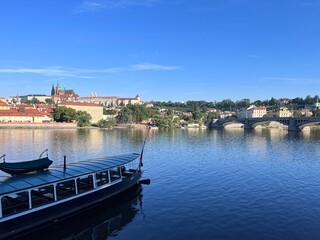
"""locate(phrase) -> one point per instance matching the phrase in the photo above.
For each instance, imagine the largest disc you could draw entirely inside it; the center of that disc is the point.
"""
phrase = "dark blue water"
(205, 184)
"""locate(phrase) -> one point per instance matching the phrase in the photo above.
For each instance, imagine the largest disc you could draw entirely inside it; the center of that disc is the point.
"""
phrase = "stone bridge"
(293, 123)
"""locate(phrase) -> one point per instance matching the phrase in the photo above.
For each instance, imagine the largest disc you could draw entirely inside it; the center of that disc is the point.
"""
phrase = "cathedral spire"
(52, 90)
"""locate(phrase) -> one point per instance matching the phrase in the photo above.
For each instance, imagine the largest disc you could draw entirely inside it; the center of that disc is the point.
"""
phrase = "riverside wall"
(37, 125)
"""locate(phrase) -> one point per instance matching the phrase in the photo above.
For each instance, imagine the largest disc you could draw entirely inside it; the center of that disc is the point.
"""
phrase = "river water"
(205, 184)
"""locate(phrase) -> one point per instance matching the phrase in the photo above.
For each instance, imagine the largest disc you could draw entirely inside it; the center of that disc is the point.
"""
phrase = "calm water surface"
(205, 184)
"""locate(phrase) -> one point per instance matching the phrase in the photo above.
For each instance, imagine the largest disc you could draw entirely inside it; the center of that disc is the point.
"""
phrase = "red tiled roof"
(11, 111)
(128, 99)
(33, 112)
(68, 95)
(105, 97)
(44, 105)
(3, 104)
(25, 112)
(259, 108)
(27, 106)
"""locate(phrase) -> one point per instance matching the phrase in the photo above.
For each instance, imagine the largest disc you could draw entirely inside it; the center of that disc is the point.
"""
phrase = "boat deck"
(9, 184)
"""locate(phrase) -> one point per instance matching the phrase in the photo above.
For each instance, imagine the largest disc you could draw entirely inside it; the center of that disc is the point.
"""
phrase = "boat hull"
(25, 167)
(29, 222)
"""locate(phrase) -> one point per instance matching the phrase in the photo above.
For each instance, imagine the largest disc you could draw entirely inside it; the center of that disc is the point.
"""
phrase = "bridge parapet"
(293, 123)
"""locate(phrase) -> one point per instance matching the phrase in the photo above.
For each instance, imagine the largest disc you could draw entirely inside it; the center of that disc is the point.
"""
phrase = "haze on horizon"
(163, 50)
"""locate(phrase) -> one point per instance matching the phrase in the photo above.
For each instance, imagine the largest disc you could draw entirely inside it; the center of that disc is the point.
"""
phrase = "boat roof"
(9, 184)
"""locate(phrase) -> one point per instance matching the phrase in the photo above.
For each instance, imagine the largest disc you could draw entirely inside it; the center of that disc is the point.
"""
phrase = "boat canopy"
(10, 184)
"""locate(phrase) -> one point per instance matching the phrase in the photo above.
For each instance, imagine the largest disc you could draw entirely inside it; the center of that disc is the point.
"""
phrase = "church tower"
(53, 91)
(58, 89)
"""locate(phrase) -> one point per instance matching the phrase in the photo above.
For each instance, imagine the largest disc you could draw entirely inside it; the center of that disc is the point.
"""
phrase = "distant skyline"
(163, 50)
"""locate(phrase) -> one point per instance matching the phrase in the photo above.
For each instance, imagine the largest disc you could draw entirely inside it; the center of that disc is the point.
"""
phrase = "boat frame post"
(55, 192)
(0, 208)
(29, 196)
(45, 151)
(4, 157)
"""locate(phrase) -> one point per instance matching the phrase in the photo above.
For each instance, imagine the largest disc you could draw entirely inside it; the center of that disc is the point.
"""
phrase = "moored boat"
(14, 168)
(33, 199)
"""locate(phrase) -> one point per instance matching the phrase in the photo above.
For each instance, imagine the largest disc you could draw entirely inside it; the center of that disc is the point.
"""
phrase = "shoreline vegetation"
(56, 125)
(169, 115)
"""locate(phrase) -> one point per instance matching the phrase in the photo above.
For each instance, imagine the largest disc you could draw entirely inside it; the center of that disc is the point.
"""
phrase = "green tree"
(226, 105)
(83, 118)
(270, 115)
(34, 100)
(273, 101)
(64, 114)
(169, 112)
(258, 103)
(308, 100)
(297, 114)
(164, 122)
(176, 120)
(136, 113)
(297, 101)
(49, 100)
(109, 123)
(109, 111)
(243, 103)
(125, 115)
(316, 112)
(211, 117)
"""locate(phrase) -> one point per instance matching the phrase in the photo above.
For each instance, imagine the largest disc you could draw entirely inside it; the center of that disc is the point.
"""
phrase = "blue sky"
(164, 50)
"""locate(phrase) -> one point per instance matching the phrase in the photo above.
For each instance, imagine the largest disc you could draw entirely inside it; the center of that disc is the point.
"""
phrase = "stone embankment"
(37, 125)
(133, 125)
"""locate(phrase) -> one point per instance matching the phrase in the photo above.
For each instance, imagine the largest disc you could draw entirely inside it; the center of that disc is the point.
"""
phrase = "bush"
(106, 123)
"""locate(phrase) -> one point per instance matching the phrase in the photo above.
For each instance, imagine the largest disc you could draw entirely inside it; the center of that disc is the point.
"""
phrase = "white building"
(284, 112)
(110, 101)
(252, 112)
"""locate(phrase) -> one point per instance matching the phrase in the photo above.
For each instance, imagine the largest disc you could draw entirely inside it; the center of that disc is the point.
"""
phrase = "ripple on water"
(205, 184)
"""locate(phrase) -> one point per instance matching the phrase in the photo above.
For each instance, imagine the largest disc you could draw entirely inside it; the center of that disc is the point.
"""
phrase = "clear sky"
(164, 50)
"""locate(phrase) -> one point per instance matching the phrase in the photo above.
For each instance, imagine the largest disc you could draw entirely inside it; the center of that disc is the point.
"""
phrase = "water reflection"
(81, 144)
(206, 184)
(77, 144)
(101, 222)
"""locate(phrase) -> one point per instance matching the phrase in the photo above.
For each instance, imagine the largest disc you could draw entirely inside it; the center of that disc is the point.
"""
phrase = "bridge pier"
(293, 125)
(247, 125)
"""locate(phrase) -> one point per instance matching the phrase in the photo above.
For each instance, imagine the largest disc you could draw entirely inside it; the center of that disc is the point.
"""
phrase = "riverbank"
(37, 125)
(133, 125)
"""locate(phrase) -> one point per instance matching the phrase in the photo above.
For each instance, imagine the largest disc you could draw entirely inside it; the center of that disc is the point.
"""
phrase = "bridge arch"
(307, 124)
(293, 123)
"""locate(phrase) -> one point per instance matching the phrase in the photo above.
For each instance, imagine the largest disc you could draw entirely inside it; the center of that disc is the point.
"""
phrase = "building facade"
(95, 111)
(284, 112)
(22, 114)
(110, 101)
(58, 94)
(126, 101)
(252, 112)
(103, 101)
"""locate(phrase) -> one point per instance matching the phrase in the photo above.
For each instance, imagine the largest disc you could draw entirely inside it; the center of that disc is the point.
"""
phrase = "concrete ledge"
(37, 125)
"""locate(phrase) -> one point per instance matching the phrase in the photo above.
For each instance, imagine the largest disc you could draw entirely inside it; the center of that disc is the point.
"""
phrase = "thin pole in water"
(64, 162)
